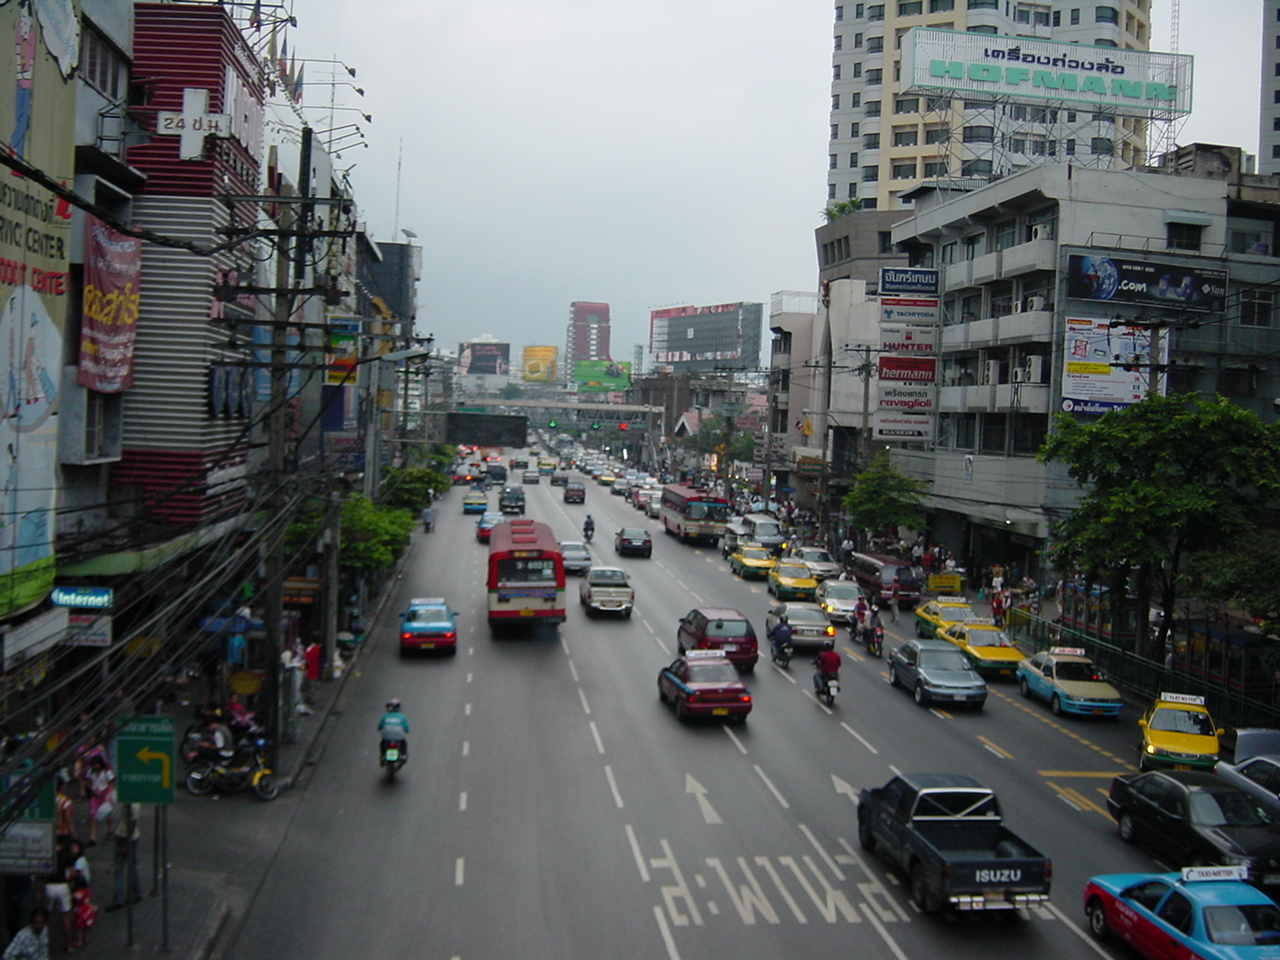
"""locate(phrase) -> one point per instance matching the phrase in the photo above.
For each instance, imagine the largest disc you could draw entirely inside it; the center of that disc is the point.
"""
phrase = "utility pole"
(866, 371)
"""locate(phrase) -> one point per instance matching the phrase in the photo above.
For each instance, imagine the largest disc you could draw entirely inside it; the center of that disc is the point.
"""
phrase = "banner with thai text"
(109, 320)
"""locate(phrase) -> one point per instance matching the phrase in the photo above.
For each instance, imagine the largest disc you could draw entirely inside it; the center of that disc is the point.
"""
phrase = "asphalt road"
(553, 808)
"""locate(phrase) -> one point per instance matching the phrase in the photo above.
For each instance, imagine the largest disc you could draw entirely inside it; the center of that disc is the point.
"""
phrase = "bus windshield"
(527, 571)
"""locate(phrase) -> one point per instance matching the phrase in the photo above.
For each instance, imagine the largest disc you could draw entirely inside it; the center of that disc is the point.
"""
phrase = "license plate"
(526, 613)
(1181, 766)
(1271, 879)
(1097, 710)
(1005, 673)
(392, 755)
(426, 645)
(730, 648)
(720, 711)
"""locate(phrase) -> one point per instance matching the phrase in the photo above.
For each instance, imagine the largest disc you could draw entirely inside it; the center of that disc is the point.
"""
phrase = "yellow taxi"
(991, 649)
(606, 479)
(475, 502)
(941, 613)
(1178, 734)
(751, 560)
(792, 580)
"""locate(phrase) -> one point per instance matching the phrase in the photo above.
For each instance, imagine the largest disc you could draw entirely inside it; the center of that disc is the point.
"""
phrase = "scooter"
(248, 768)
(826, 686)
(588, 533)
(875, 641)
(393, 757)
(782, 654)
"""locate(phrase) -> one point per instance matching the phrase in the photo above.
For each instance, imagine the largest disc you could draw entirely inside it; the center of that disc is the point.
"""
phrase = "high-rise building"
(588, 336)
(1269, 108)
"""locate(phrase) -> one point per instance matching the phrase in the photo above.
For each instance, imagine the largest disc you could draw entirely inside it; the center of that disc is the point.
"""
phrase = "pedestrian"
(32, 941)
(128, 833)
(64, 816)
(428, 519)
(57, 891)
(997, 608)
(101, 784)
(895, 596)
(83, 913)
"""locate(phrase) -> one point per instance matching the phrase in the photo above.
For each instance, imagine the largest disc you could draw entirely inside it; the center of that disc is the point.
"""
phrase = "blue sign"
(913, 280)
(225, 624)
(96, 598)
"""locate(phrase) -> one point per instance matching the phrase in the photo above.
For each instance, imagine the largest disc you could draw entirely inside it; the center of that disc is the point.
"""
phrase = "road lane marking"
(1062, 795)
(709, 814)
(661, 917)
(857, 736)
(941, 714)
(1050, 720)
(884, 934)
(785, 673)
(769, 783)
(827, 710)
(1077, 799)
(466, 711)
(462, 801)
(586, 707)
(734, 737)
(613, 785)
(459, 871)
(596, 733)
(564, 644)
(997, 750)
(826, 857)
(1082, 774)
(635, 852)
(894, 770)
(468, 678)
(466, 747)
(573, 672)
(1093, 944)
(696, 597)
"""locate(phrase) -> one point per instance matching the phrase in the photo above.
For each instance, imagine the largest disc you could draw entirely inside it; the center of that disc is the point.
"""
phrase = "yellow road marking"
(1050, 720)
(1097, 774)
(1078, 799)
(1000, 750)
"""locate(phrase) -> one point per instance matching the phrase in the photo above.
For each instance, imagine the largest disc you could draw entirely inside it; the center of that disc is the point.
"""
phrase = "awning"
(1190, 217)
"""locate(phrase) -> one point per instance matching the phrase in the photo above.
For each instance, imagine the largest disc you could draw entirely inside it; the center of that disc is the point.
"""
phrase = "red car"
(703, 683)
(485, 525)
(722, 630)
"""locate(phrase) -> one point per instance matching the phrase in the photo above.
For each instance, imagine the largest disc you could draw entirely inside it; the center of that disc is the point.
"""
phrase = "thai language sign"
(902, 426)
(484, 357)
(109, 323)
(1148, 282)
(1094, 378)
(1021, 68)
(915, 398)
(909, 280)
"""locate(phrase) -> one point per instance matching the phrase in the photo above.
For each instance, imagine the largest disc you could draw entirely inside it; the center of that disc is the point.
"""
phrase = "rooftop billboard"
(601, 376)
(484, 357)
(538, 364)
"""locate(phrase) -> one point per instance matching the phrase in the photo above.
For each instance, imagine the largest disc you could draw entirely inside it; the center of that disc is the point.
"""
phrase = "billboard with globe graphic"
(1145, 282)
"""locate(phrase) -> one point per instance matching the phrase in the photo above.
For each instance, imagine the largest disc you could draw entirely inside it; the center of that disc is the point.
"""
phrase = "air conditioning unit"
(1039, 233)
(1018, 306)
(991, 372)
(1035, 303)
(1035, 369)
(1019, 375)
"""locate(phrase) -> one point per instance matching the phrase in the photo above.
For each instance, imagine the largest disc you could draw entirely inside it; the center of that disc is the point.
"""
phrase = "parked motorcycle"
(825, 687)
(393, 757)
(246, 768)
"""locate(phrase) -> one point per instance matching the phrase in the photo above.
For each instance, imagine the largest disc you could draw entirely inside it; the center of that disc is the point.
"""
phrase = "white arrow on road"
(844, 788)
(698, 790)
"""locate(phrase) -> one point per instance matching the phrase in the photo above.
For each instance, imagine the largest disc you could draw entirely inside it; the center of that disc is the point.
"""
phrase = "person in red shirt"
(828, 661)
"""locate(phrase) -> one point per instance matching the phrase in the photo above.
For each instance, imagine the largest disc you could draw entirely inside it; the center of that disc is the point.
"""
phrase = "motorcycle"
(393, 757)
(782, 654)
(826, 686)
(246, 768)
(588, 533)
(875, 641)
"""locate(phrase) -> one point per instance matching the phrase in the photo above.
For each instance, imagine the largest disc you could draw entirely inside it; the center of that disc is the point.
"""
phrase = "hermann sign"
(1136, 82)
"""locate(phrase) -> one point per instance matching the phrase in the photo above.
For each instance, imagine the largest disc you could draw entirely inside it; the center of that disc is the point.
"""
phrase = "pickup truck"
(607, 589)
(945, 832)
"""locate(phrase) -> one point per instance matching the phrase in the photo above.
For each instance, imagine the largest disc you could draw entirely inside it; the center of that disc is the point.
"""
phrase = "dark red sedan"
(703, 683)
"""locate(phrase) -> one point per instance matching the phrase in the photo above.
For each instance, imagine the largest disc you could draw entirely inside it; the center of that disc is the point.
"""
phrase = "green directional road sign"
(144, 759)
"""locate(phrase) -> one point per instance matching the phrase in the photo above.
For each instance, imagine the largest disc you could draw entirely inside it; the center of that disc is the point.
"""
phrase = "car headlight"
(1156, 751)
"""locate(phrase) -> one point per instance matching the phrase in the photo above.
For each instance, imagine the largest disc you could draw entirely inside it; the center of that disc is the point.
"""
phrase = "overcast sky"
(646, 154)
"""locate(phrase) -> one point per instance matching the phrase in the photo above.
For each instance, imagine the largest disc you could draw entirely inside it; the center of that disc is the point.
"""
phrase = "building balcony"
(987, 267)
(956, 276)
(1011, 328)
(1026, 257)
(994, 398)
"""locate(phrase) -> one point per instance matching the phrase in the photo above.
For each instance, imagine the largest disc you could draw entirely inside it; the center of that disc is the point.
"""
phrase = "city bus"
(691, 513)
(526, 575)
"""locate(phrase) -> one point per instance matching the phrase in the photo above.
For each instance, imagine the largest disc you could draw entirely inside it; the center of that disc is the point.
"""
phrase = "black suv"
(634, 541)
(511, 500)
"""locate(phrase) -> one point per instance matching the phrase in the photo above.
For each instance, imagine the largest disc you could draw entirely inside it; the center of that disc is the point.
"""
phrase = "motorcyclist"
(588, 528)
(828, 661)
(780, 635)
(218, 744)
(861, 618)
(394, 727)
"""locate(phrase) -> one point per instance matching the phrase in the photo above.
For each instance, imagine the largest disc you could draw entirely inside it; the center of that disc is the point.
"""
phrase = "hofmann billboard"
(1139, 82)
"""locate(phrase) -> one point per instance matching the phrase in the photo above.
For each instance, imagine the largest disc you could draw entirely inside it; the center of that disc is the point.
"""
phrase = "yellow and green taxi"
(991, 649)
(475, 502)
(1178, 734)
(606, 479)
(751, 560)
(940, 613)
(791, 580)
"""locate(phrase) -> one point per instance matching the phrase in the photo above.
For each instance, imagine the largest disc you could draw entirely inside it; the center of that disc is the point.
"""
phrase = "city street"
(553, 808)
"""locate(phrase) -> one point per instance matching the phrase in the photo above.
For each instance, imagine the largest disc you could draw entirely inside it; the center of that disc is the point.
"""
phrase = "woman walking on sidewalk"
(101, 783)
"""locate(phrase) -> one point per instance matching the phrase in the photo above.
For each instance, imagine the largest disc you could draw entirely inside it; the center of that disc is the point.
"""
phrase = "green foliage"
(711, 438)
(372, 535)
(511, 391)
(413, 488)
(881, 499)
(841, 208)
(1239, 574)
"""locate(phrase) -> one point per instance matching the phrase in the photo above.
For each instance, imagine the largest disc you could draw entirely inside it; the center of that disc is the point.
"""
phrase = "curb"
(205, 943)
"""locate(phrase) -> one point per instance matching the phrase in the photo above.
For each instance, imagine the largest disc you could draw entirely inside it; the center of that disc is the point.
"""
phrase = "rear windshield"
(428, 615)
(793, 570)
(1245, 925)
(943, 660)
(527, 571)
(712, 673)
(729, 628)
(765, 528)
(1076, 670)
(607, 576)
(805, 615)
(843, 591)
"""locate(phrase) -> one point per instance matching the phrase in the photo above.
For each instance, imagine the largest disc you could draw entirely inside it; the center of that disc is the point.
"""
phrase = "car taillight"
(406, 636)
(745, 698)
(691, 698)
(450, 635)
(1048, 870)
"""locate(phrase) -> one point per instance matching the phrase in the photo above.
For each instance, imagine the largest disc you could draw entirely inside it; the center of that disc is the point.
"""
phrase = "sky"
(645, 154)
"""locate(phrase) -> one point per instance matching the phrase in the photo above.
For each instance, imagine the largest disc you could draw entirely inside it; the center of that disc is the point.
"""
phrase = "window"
(1101, 146)
(906, 105)
(853, 191)
(1071, 148)
(839, 13)
(1021, 15)
(856, 72)
(989, 30)
(984, 4)
(831, 191)
(1041, 18)
(935, 168)
(833, 162)
(853, 161)
(1238, 382)
(870, 174)
(995, 432)
(1182, 236)
(1057, 18)
(975, 168)
(937, 103)
(871, 141)
(875, 77)
(853, 130)
(857, 40)
(910, 8)
(1006, 234)
(1029, 432)
(1075, 16)
(979, 134)
(965, 430)
(905, 136)
(886, 241)
(835, 131)
(855, 99)
(940, 134)
(100, 65)
(1103, 42)
(875, 11)
(872, 108)
(948, 254)
(1256, 307)
(1106, 15)
(835, 72)
(868, 203)
(875, 44)
(904, 171)
(839, 44)
(835, 101)
(1017, 144)
(941, 6)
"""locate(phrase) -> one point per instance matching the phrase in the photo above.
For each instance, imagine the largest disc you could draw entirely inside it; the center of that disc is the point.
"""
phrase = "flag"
(805, 427)
(297, 84)
(255, 16)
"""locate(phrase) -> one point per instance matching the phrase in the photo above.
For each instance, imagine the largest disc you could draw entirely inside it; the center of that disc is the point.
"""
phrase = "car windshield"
(814, 555)
(805, 615)
(755, 554)
(767, 529)
(943, 660)
(633, 534)
(957, 614)
(988, 638)
(1243, 925)
(712, 673)
(1076, 670)
(607, 576)
(1225, 808)
(728, 628)
(429, 615)
(793, 570)
(842, 591)
(1171, 720)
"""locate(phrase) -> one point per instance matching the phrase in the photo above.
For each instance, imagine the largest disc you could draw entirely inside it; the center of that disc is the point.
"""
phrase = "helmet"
(828, 644)
(393, 705)
(588, 516)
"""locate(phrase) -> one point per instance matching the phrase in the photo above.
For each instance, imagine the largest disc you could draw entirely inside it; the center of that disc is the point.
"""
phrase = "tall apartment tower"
(1269, 112)
(883, 142)
(588, 336)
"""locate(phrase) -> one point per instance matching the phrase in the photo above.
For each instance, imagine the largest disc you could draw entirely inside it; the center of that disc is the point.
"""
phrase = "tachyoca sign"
(1108, 78)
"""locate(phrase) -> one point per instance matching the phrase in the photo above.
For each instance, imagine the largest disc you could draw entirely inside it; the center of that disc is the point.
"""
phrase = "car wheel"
(682, 710)
(893, 676)
(920, 890)
(749, 668)
(1127, 832)
(1097, 919)
(979, 706)
(627, 614)
(1055, 705)
(1023, 688)
(919, 694)
(865, 838)
(662, 694)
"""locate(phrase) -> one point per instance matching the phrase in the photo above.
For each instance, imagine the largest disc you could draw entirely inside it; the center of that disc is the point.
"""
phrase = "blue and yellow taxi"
(1069, 682)
(1178, 734)
(752, 560)
(428, 625)
(1207, 912)
(992, 651)
(792, 580)
(940, 613)
(475, 502)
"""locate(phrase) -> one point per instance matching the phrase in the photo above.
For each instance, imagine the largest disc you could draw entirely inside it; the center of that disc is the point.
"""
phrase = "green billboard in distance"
(601, 376)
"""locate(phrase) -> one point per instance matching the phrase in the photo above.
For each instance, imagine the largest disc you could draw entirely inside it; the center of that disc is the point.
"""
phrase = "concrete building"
(587, 337)
(1269, 92)
(705, 339)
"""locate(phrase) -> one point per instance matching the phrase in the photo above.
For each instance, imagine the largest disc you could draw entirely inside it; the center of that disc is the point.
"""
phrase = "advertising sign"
(912, 339)
(908, 280)
(538, 364)
(1136, 82)
(601, 376)
(344, 351)
(908, 310)
(109, 320)
(27, 847)
(902, 426)
(482, 357)
(89, 630)
(1146, 282)
(916, 398)
(1093, 378)
(909, 369)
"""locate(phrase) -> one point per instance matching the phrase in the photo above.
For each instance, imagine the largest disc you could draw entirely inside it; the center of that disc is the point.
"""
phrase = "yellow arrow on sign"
(146, 755)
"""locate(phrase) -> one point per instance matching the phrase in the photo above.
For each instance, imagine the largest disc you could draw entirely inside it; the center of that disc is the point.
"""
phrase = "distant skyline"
(647, 155)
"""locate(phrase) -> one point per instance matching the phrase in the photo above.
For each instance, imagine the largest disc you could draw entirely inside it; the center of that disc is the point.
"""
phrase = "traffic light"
(624, 426)
(552, 423)
(595, 424)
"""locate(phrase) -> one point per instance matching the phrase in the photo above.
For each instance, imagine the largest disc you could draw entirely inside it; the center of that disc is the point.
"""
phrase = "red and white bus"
(526, 575)
(690, 513)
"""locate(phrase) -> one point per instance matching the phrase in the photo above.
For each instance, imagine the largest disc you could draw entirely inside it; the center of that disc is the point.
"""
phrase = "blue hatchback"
(428, 625)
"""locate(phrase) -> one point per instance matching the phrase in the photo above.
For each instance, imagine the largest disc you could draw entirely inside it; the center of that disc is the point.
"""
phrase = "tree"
(712, 434)
(412, 488)
(841, 208)
(1239, 574)
(372, 535)
(882, 499)
(1166, 477)
(511, 391)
